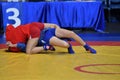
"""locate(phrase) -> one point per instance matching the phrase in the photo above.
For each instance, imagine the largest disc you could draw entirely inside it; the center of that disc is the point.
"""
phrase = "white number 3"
(14, 16)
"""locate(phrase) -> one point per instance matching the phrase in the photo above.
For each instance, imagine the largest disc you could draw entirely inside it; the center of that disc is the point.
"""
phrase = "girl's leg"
(58, 42)
(63, 33)
(61, 43)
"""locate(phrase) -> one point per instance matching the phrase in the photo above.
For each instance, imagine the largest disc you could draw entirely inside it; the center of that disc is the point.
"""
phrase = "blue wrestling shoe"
(70, 50)
(88, 48)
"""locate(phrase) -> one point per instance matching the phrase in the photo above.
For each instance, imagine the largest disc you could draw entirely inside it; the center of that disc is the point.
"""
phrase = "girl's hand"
(9, 44)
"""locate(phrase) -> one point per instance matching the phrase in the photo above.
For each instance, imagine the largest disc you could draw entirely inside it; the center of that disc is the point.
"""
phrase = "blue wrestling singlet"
(45, 36)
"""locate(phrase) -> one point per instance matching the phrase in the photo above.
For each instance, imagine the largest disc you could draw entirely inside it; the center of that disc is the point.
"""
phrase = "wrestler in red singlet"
(22, 33)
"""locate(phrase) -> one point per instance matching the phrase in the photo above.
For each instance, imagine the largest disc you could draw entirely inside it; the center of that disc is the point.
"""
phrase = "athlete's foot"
(88, 48)
(70, 50)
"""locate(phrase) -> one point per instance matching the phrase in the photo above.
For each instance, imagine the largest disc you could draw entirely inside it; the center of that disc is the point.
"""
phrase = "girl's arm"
(21, 46)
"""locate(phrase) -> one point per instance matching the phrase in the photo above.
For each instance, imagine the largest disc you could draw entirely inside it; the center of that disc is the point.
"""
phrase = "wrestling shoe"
(88, 48)
(70, 50)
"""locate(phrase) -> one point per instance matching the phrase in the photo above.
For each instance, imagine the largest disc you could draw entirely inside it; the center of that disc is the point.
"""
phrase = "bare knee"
(72, 33)
(66, 45)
